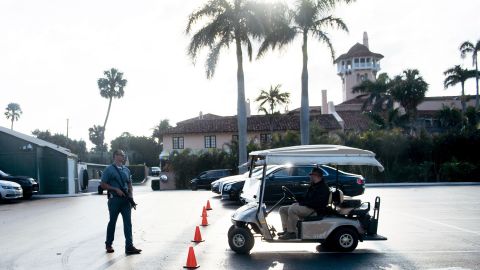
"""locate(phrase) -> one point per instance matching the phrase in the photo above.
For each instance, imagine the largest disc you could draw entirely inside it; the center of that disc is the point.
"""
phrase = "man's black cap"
(317, 171)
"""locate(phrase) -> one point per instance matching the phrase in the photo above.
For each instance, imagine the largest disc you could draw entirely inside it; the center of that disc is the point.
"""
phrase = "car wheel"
(343, 240)
(27, 196)
(194, 187)
(100, 190)
(240, 239)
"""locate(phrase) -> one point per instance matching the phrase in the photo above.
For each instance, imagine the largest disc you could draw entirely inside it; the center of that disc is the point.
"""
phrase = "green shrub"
(457, 171)
(187, 165)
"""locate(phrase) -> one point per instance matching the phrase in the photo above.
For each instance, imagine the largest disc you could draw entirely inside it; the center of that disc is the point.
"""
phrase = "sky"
(52, 53)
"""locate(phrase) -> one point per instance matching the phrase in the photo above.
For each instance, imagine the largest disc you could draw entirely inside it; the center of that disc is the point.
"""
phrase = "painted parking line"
(442, 224)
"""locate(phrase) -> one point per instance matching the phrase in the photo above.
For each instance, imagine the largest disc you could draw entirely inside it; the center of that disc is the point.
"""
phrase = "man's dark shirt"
(317, 197)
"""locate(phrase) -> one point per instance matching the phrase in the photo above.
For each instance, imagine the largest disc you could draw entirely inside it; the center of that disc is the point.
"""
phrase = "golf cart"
(347, 221)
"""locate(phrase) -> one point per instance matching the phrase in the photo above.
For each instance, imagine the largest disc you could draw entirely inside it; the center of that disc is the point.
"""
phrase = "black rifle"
(130, 200)
(133, 204)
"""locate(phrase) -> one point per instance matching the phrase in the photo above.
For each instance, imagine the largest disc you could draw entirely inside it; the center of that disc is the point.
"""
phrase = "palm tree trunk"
(106, 119)
(476, 77)
(304, 110)
(11, 127)
(463, 98)
(241, 110)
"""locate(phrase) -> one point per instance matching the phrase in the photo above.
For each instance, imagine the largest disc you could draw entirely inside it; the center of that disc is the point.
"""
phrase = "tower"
(357, 65)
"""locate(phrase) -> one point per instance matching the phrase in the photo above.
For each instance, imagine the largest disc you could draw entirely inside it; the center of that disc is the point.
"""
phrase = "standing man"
(315, 200)
(116, 179)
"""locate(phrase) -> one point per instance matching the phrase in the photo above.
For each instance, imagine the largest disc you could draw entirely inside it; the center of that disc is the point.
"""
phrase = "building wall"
(47, 166)
(436, 105)
(16, 158)
(54, 175)
(353, 79)
(196, 141)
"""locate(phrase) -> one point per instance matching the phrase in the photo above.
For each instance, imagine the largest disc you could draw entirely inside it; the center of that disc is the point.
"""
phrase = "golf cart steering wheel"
(289, 194)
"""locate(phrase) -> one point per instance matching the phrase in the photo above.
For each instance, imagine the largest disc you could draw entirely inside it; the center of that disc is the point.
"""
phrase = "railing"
(357, 66)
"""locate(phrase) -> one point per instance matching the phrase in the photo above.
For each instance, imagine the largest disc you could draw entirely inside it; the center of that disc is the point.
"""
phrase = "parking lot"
(427, 228)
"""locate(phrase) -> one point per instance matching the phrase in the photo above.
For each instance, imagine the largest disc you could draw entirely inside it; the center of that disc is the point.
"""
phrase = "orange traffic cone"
(204, 212)
(204, 221)
(198, 237)
(191, 261)
(208, 205)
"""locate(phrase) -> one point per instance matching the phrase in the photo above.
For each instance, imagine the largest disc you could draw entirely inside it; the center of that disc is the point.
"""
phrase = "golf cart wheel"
(240, 239)
(230, 230)
(344, 240)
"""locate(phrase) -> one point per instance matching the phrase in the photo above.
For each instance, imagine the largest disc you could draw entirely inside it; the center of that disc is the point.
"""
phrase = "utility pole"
(67, 127)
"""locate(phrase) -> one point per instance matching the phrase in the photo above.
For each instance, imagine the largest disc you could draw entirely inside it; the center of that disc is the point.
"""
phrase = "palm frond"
(331, 22)
(323, 37)
(207, 36)
(212, 59)
(211, 9)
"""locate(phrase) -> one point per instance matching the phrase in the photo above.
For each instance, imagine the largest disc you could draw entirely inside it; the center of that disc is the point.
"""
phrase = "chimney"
(200, 116)
(324, 102)
(365, 39)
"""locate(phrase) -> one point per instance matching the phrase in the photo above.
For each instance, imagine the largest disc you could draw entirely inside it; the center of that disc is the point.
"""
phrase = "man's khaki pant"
(290, 214)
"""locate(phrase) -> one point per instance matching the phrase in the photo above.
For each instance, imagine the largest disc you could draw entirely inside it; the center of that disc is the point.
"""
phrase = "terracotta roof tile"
(358, 50)
(355, 120)
(255, 123)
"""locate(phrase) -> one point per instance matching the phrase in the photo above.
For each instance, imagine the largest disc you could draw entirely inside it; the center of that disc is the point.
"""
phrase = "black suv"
(205, 179)
(29, 185)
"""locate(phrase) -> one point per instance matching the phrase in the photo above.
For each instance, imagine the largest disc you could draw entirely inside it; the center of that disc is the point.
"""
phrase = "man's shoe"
(282, 233)
(288, 236)
(133, 250)
(109, 249)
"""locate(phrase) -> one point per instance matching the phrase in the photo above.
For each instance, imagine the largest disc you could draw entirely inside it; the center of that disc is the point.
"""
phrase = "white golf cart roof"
(317, 154)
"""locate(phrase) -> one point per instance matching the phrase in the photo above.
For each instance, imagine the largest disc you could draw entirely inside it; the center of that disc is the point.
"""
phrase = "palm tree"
(111, 87)
(227, 22)
(13, 112)
(468, 47)
(273, 98)
(309, 17)
(458, 75)
(450, 118)
(96, 136)
(409, 90)
(160, 129)
(377, 93)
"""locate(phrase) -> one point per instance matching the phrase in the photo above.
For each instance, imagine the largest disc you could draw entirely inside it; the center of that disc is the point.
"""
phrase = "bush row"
(423, 158)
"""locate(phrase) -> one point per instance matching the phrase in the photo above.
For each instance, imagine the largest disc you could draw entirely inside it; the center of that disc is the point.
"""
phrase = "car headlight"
(227, 187)
(7, 187)
(32, 181)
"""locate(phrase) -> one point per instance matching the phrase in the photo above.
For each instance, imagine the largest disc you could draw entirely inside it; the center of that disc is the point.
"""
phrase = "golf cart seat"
(344, 207)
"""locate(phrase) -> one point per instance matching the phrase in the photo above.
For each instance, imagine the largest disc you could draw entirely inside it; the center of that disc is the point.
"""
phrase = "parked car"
(295, 178)
(28, 184)
(231, 190)
(155, 171)
(10, 190)
(217, 185)
(205, 179)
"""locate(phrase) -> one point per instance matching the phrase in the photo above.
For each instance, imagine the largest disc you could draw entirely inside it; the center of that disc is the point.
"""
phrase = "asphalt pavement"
(431, 227)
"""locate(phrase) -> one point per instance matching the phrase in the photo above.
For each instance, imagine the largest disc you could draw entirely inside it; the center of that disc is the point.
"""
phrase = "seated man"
(315, 200)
